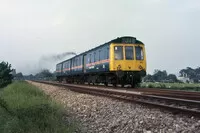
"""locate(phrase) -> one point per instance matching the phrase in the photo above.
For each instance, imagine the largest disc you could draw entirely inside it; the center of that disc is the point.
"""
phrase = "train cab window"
(118, 52)
(129, 52)
(139, 53)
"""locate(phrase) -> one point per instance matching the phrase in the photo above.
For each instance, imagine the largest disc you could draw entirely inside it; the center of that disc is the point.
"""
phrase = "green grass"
(175, 86)
(29, 110)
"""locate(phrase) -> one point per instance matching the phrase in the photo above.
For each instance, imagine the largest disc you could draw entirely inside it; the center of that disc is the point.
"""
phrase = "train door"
(84, 63)
(139, 54)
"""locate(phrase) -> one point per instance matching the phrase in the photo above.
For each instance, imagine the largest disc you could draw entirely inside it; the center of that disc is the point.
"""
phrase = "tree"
(172, 78)
(148, 78)
(192, 74)
(44, 74)
(19, 76)
(160, 76)
(5, 74)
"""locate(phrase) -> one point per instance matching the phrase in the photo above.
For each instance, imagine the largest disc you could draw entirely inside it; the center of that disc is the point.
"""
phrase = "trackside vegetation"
(5, 74)
(26, 109)
(173, 86)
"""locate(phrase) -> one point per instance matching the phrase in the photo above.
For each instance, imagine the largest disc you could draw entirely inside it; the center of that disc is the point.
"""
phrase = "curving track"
(175, 101)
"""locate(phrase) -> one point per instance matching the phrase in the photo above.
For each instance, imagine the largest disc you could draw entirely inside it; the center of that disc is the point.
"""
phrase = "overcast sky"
(30, 29)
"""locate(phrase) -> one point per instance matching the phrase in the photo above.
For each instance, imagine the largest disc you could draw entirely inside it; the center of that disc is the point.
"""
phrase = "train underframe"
(118, 77)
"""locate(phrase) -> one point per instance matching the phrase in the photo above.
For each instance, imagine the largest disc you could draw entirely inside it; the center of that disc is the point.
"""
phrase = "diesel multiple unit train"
(119, 61)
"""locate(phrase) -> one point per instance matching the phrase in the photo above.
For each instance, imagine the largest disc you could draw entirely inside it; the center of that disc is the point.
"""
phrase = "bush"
(5, 74)
(150, 86)
(163, 86)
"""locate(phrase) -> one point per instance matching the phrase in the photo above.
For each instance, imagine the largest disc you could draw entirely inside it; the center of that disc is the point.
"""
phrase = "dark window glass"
(129, 52)
(94, 56)
(118, 52)
(59, 67)
(102, 54)
(99, 55)
(107, 53)
(74, 62)
(139, 53)
(90, 58)
(80, 61)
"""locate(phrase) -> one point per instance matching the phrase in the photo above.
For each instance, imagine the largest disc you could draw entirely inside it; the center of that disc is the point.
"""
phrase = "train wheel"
(122, 85)
(115, 85)
(106, 83)
(133, 85)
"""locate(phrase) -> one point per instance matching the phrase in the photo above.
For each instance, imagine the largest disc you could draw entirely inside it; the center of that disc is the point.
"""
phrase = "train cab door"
(84, 63)
(139, 54)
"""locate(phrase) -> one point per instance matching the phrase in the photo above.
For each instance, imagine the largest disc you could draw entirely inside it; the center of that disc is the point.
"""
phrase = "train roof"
(124, 39)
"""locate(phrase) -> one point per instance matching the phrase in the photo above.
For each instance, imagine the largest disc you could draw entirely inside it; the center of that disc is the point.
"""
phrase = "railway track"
(190, 95)
(174, 104)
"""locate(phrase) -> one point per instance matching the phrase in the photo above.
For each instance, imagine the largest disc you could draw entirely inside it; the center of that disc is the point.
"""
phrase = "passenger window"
(81, 60)
(118, 52)
(107, 53)
(74, 62)
(99, 55)
(139, 53)
(90, 58)
(94, 56)
(129, 52)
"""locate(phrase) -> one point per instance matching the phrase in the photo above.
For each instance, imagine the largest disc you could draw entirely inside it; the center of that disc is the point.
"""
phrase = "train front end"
(128, 60)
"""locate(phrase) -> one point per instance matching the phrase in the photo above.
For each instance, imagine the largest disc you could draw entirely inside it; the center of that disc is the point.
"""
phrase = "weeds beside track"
(28, 110)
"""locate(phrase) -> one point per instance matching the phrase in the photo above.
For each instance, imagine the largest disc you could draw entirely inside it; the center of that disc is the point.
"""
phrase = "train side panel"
(77, 65)
(59, 70)
(66, 69)
(97, 60)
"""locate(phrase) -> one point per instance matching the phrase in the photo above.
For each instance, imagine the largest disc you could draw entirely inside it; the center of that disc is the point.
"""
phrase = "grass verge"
(26, 109)
(174, 86)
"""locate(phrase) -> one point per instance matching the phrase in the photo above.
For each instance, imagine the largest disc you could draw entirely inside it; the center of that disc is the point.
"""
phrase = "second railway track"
(175, 104)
